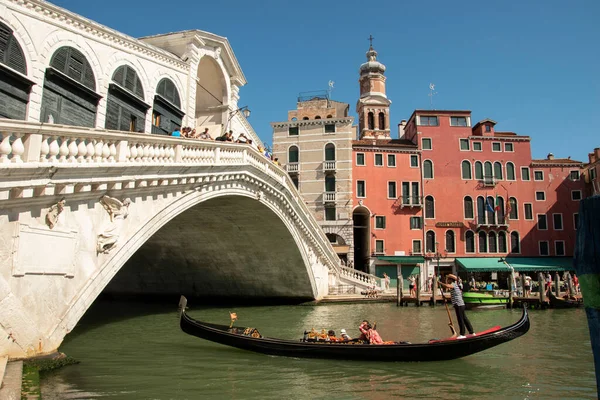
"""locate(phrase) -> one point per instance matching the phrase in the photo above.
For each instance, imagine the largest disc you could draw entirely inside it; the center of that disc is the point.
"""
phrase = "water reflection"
(146, 356)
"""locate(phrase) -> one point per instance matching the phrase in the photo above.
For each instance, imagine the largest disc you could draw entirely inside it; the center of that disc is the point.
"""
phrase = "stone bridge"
(86, 210)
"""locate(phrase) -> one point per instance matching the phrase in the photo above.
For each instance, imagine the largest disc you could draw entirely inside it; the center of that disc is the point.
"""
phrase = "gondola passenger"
(369, 333)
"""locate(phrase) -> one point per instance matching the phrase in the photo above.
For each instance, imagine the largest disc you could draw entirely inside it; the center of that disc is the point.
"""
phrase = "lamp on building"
(244, 110)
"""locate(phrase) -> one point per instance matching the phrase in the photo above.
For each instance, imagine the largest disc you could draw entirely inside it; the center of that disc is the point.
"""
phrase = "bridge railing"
(359, 276)
(24, 144)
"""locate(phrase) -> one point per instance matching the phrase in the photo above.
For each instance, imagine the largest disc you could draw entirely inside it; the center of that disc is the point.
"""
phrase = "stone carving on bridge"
(118, 211)
(54, 212)
(259, 195)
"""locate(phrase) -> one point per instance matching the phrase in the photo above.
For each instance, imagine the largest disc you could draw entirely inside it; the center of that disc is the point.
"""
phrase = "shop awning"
(402, 259)
(341, 249)
(541, 263)
(482, 264)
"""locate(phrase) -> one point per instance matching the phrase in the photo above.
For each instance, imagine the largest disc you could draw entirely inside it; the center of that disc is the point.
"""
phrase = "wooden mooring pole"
(434, 286)
(418, 283)
(542, 287)
(557, 284)
(399, 288)
(587, 265)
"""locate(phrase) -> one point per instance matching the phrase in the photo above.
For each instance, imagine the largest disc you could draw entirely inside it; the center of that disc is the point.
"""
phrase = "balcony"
(328, 197)
(329, 166)
(293, 167)
(411, 201)
(490, 220)
(488, 181)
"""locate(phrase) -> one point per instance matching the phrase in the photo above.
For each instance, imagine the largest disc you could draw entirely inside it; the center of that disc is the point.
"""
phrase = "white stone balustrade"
(359, 276)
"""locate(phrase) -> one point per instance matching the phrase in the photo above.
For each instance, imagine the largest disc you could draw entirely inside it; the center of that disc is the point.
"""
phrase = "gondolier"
(459, 305)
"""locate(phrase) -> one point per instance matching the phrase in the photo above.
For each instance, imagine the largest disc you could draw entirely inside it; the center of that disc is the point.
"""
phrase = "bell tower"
(373, 106)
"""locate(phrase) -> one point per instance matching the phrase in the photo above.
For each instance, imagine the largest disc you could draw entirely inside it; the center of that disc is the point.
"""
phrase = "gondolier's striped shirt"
(457, 298)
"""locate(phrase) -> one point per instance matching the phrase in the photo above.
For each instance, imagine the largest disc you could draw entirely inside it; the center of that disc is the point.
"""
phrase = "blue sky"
(532, 66)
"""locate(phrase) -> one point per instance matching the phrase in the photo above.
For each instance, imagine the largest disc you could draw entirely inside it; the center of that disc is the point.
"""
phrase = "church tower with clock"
(373, 106)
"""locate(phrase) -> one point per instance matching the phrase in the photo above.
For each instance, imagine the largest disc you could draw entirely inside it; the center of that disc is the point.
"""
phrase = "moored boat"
(435, 350)
(556, 302)
(483, 300)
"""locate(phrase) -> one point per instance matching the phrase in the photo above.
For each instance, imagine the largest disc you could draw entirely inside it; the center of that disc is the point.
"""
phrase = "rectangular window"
(392, 190)
(360, 189)
(576, 195)
(538, 175)
(574, 175)
(559, 248)
(542, 223)
(558, 222)
(293, 131)
(477, 146)
(458, 121)
(416, 247)
(329, 128)
(156, 117)
(528, 211)
(416, 222)
(391, 160)
(525, 174)
(464, 144)
(379, 222)
(426, 144)
(509, 147)
(544, 248)
(379, 247)
(414, 161)
(330, 214)
(132, 123)
(575, 221)
(496, 146)
(488, 128)
(360, 158)
(592, 173)
(540, 196)
(425, 120)
(379, 160)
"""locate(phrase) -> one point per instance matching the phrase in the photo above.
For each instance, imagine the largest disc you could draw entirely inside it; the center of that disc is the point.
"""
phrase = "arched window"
(317, 117)
(510, 171)
(492, 245)
(429, 207)
(294, 119)
(490, 208)
(125, 106)
(427, 169)
(468, 203)
(430, 242)
(480, 210)
(329, 152)
(450, 244)
(487, 170)
(469, 242)
(466, 170)
(330, 116)
(515, 243)
(498, 170)
(166, 113)
(513, 206)
(381, 121)
(500, 210)
(69, 95)
(293, 154)
(330, 183)
(371, 121)
(305, 118)
(482, 242)
(478, 170)
(14, 88)
(501, 242)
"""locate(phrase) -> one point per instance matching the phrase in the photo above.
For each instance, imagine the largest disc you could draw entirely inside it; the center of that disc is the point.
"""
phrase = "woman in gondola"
(369, 334)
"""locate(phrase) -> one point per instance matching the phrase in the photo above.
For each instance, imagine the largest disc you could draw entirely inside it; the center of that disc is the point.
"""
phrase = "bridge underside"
(225, 247)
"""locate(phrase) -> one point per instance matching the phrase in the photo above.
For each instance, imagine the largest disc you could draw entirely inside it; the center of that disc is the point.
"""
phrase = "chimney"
(401, 126)
(597, 152)
(550, 156)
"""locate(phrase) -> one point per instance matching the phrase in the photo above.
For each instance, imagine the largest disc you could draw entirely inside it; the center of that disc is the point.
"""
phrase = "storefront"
(394, 266)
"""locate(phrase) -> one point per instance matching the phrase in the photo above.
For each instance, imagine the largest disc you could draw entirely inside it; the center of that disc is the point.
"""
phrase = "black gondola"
(556, 302)
(434, 350)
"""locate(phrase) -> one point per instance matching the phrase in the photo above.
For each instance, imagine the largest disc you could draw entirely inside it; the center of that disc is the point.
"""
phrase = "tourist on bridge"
(459, 304)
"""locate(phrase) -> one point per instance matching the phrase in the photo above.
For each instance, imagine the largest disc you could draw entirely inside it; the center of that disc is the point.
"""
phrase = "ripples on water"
(140, 353)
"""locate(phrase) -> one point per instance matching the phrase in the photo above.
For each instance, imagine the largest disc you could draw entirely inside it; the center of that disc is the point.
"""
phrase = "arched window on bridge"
(125, 106)
(166, 113)
(14, 86)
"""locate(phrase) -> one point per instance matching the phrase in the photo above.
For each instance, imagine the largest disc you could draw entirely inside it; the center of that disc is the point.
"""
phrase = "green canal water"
(137, 351)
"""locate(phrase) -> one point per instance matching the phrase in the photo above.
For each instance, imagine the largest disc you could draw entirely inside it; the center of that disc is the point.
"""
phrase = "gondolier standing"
(459, 305)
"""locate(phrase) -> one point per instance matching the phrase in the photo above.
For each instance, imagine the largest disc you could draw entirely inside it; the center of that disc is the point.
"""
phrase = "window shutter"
(119, 76)
(59, 60)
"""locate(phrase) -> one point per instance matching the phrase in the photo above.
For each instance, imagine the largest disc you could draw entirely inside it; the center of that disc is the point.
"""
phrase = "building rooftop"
(557, 161)
(385, 143)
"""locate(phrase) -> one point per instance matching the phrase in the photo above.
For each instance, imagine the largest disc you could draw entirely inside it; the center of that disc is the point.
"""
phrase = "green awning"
(482, 264)
(402, 259)
(541, 263)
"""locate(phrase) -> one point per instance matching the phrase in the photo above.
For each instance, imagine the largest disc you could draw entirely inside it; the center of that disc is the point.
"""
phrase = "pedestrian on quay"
(386, 278)
(459, 305)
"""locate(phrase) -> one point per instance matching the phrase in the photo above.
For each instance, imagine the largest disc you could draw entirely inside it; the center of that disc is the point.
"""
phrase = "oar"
(450, 324)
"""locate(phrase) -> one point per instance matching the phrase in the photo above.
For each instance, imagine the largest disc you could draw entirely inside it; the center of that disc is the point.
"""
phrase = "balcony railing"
(329, 166)
(488, 181)
(292, 167)
(411, 201)
(492, 220)
(328, 197)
